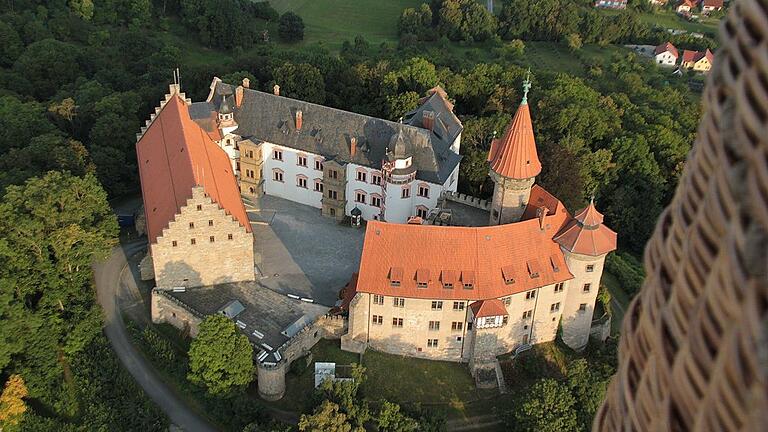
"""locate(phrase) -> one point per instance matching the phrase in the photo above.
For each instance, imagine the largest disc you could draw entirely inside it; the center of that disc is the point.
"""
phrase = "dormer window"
(533, 268)
(553, 261)
(422, 278)
(448, 278)
(508, 275)
(395, 276)
(468, 279)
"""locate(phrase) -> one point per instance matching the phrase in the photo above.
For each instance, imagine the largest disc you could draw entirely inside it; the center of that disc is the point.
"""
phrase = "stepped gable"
(585, 233)
(174, 155)
(514, 155)
(328, 131)
(494, 261)
(488, 308)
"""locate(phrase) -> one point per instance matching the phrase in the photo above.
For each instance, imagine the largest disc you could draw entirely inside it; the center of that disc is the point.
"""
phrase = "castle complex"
(454, 293)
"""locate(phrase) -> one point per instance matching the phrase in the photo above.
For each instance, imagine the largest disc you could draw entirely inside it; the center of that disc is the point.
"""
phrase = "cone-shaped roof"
(514, 155)
(586, 234)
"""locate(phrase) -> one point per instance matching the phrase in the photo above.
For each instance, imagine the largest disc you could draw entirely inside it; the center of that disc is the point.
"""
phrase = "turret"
(226, 116)
(399, 173)
(514, 165)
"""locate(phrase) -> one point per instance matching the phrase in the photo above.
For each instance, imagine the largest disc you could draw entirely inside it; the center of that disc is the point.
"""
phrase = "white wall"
(666, 59)
(288, 189)
(354, 185)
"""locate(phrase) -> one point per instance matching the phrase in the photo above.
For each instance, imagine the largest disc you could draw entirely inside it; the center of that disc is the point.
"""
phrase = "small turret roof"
(586, 234)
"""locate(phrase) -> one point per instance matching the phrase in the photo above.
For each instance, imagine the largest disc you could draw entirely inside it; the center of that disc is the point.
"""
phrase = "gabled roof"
(514, 155)
(689, 3)
(713, 3)
(666, 47)
(696, 56)
(586, 234)
(488, 308)
(176, 155)
(495, 261)
(328, 131)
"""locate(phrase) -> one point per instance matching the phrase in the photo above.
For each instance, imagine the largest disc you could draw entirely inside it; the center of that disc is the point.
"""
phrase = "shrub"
(627, 270)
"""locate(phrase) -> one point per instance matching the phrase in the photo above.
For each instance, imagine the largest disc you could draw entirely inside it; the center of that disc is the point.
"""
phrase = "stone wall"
(577, 322)
(467, 200)
(203, 245)
(166, 309)
(510, 197)
(251, 162)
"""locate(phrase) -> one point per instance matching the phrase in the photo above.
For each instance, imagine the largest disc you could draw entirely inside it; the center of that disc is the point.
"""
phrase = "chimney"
(428, 119)
(352, 146)
(246, 83)
(298, 119)
(239, 95)
(276, 90)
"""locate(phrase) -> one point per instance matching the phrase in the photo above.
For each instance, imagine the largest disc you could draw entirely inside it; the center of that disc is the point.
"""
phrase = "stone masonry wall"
(196, 249)
(510, 197)
(166, 309)
(576, 322)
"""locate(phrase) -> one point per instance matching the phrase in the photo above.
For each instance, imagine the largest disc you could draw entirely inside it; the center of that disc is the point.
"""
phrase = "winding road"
(107, 279)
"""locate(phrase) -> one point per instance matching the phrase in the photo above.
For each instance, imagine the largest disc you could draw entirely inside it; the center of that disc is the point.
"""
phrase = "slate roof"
(328, 131)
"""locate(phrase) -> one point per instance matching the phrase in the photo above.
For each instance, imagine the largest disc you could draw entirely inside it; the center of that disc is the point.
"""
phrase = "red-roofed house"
(708, 6)
(666, 54)
(685, 6)
(472, 293)
(699, 61)
(191, 201)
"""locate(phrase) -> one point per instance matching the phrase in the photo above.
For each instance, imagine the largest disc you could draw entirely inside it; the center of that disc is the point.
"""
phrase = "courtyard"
(301, 253)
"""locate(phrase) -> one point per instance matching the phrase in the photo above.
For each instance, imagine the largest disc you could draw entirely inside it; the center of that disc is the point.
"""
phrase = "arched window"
(360, 196)
(277, 175)
(301, 181)
(362, 175)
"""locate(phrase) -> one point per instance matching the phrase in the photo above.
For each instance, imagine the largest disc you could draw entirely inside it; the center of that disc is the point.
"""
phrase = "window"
(210, 222)
(398, 302)
(527, 314)
(229, 236)
(199, 207)
(424, 191)
(590, 268)
(432, 343)
(458, 338)
(277, 155)
(434, 325)
(469, 326)
(555, 307)
(174, 243)
(362, 176)
(495, 214)
(277, 175)
(301, 160)
(437, 305)
(559, 287)
(583, 307)
(332, 194)
(378, 319)
(301, 182)
(376, 179)
(360, 197)
(421, 212)
(421, 284)
(211, 239)
(378, 299)
(191, 225)
(530, 295)
(375, 201)
(318, 185)
(458, 306)
(457, 326)
(333, 174)
(505, 320)
(318, 165)
(506, 300)
(586, 288)
(397, 322)
(406, 193)
(192, 241)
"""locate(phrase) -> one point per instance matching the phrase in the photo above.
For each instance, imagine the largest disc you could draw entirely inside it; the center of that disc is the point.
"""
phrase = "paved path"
(107, 278)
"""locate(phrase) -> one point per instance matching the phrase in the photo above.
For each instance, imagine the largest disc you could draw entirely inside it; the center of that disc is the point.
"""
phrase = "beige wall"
(576, 323)
(205, 262)
(250, 168)
(165, 309)
(510, 197)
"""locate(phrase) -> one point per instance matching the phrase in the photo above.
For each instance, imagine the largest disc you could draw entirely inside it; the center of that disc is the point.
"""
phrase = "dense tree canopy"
(290, 28)
(220, 357)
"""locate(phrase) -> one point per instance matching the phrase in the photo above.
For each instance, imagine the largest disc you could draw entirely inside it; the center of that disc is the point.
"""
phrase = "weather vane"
(526, 86)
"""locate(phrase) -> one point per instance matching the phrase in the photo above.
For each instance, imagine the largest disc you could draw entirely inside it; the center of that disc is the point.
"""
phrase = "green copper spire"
(526, 87)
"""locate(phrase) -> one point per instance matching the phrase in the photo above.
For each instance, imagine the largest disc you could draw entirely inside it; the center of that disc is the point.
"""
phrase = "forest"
(79, 77)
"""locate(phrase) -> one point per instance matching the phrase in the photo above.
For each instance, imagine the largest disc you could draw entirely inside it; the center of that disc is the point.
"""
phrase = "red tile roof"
(514, 155)
(667, 46)
(695, 56)
(175, 155)
(585, 234)
(717, 4)
(484, 257)
(488, 308)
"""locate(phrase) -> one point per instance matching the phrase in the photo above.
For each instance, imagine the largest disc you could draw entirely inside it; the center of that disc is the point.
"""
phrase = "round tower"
(399, 174)
(514, 165)
(585, 242)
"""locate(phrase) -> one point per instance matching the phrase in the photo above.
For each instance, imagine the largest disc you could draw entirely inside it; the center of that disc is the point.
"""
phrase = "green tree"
(574, 41)
(400, 104)
(82, 8)
(588, 389)
(220, 357)
(10, 44)
(12, 405)
(300, 81)
(391, 419)
(290, 28)
(49, 64)
(466, 20)
(325, 418)
(547, 407)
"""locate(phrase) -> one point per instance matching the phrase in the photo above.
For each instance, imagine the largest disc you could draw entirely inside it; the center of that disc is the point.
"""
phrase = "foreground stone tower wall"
(693, 352)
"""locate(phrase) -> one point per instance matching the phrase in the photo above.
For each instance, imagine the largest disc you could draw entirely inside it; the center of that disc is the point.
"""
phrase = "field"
(334, 21)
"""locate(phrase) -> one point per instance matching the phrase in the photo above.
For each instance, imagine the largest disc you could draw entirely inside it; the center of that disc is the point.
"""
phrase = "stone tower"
(514, 165)
(585, 242)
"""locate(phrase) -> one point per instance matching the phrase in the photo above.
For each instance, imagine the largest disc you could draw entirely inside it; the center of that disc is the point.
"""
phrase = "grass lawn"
(669, 19)
(333, 21)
